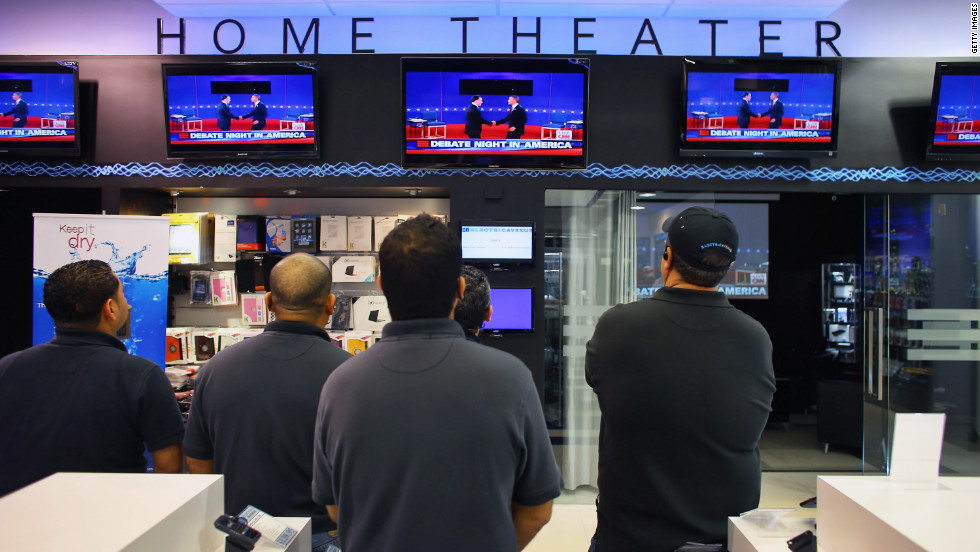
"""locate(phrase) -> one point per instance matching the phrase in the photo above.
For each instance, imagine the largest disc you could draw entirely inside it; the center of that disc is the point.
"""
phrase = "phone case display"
(305, 239)
(253, 309)
(840, 309)
(354, 268)
(225, 238)
(278, 234)
(333, 233)
(359, 233)
(200, 287)
(336, 339)
(228, 337)
(341, 318)
(205, 343)
(382, 225)
(356, 342)
(370, 313)
(177, 345)
(223, 288)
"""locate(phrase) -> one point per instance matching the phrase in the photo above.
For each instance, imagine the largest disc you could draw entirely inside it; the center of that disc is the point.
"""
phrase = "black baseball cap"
(697, 231)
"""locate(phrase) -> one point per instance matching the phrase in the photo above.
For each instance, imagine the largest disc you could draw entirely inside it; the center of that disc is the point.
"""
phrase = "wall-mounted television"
(748, 278)
(37, 108)
(241, 110)
(498, 244)
(955, 106)
(506, 113)
(513, 311)
(741, 107)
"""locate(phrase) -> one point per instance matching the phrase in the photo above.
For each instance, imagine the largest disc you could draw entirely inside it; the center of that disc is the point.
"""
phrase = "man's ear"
(489, 313)
(378, 281)
(331, 303)
(462, 288)
(110, 310)
(269, 307)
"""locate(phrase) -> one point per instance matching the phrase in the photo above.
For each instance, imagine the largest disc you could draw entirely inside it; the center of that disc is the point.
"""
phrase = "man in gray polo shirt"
(427, 441)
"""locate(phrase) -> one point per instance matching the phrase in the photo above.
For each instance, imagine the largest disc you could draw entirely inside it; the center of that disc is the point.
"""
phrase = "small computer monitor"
(497, 243)
(513, 311)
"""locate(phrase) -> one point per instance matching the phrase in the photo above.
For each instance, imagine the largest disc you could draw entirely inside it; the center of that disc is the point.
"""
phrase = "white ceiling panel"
(754, 9)
(701, 9)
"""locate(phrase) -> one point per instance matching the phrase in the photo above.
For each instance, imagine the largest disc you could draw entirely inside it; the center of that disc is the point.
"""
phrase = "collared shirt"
(685, 383)
(81, 403)
(424, 440)
(253, 413)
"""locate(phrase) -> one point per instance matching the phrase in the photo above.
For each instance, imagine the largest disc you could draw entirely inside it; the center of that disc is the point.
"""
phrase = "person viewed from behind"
(254, 406)
(685, 384)
(474, 308)
(427, 441)
(80, 402)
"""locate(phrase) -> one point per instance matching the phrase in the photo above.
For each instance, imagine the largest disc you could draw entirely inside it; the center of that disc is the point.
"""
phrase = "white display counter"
(108, 512)
(876, 513)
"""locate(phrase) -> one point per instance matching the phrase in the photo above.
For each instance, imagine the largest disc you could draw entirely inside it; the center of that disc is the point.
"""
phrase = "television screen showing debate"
(37, 108)
(752, 108)
(495, 113)
(237, 110)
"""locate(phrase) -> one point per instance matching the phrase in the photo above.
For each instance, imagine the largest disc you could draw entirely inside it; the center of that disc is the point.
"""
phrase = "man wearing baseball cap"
(685, 384)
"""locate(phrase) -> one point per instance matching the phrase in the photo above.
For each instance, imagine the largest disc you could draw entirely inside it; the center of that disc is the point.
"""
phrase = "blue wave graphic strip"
(390, 170)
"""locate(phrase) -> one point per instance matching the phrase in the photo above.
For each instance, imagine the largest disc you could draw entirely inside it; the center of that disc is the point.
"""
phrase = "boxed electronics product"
(191, 238)
(178, 339)
(253, 309)
(223, 289)
(205, 343)
(370, 313)
(356, 342)
(305, 233)
(354, 268)
(225, 238)
(382, 225)
(359, 233)
(200, 287)
(278, 234)
(333, 233)
(253, 269)
(228, 337)
(251, 233)
(341, 318)
(336, 339)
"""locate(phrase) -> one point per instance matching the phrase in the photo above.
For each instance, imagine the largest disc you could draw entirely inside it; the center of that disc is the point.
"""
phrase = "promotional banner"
(136, 249)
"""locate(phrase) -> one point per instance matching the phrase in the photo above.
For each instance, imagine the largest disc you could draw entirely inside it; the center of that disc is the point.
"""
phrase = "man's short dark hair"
(471, 310)
(420, 262)
(225, 96)
(701, 277)
(74, 293)
(300, 283)
(744, 94)
(475, 98)
(516, 98)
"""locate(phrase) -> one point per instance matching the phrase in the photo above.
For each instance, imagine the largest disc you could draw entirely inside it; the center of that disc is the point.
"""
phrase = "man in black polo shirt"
(685, 383)
(427, 441)
(80, 402)
(254, 405)
(474, 308)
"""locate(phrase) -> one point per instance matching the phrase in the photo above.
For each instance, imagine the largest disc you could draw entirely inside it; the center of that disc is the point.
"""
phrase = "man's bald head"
(299, 284)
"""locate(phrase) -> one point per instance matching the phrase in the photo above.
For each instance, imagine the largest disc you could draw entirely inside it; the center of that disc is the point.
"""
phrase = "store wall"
(634, 121)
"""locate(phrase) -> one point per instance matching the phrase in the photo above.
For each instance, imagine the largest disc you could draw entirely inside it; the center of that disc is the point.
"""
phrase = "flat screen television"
(497, 244)
(760, 108)
(250, 110)
(37, 108)
(955, 105)
(497, 113)
(513, 311)
(748, 278)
